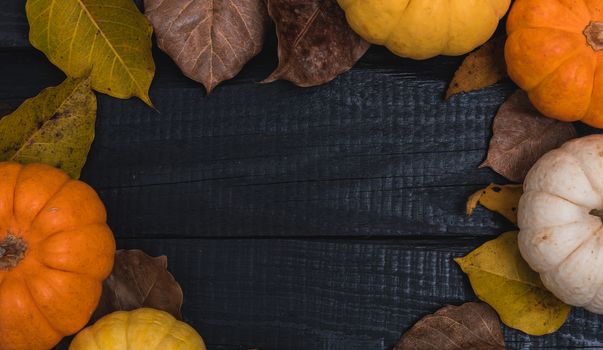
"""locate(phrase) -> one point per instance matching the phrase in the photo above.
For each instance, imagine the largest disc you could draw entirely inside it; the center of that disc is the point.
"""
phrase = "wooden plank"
(13, 25)
(344, 294)
(375, 152)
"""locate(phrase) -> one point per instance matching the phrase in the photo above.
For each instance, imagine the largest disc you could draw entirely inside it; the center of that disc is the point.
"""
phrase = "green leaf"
(56, 127)
(109, 39)
(500, 277)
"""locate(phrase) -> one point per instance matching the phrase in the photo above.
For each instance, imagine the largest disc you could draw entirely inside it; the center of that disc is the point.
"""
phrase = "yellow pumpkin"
(141, 329)
(423, 29)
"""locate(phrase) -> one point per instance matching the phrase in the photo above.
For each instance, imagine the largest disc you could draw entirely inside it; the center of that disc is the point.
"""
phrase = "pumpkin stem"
(594, 35)
(12, 251)
(597, 212)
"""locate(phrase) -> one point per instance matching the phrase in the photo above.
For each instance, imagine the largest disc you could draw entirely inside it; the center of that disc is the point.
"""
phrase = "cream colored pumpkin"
(422, 29)
(560, 221)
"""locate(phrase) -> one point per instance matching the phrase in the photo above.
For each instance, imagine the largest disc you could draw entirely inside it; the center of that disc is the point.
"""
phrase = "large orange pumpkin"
(55, 251)
(554, 53)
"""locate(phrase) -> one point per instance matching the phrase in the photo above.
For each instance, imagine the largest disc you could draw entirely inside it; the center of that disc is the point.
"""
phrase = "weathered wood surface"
(320, 218)
(376, 152)
(319, 294)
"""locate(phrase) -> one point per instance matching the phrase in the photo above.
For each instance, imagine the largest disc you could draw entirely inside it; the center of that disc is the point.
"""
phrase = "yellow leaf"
(110, 39)
(502, 199)
(480, 69)
(56, 127)
(500, 277)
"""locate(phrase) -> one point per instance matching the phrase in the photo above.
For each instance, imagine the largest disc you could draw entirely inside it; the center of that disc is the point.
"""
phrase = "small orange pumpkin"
(554, 52)
(55, 251)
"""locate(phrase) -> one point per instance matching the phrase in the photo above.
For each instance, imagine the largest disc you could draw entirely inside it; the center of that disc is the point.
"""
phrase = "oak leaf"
(210, 41)
(138, 280)
(502, 199)
(56, 127)
(315, 43)
(500, 277)
(521, 135)
(482, 68)
(473, 325)
(108, 39)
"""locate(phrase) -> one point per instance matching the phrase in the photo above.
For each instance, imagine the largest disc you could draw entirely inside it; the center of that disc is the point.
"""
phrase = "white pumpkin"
(560, 221)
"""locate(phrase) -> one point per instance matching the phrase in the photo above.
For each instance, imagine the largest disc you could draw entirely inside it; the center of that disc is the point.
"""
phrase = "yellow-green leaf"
(56, 127)
(500, 277)
(502, 199)
(110, 39)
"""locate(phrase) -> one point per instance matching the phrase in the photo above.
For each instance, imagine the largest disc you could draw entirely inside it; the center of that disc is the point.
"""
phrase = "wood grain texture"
(375, 152)
(308, 294)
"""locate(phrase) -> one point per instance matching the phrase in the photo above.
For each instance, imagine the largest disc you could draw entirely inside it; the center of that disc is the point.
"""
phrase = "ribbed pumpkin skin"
(421, 29)
(548, 55)
(560, 219)
(141, 329)
(54, 289)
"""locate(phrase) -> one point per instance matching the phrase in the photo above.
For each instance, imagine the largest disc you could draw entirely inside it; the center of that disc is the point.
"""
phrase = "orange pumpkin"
(55, 251)
(553, 51)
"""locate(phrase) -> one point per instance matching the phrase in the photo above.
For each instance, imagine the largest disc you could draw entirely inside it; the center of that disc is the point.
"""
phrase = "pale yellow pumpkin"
(141, 329)
(560, 221)
(422, 29)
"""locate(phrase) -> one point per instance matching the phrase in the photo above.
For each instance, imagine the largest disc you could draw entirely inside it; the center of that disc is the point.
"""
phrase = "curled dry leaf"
(521, 135)
(472, 325)
(210, 41)
(482, 68)
(139, 280)
(500, 277)
(502, 199)
(315, 43)
(56, 127)
(109, 39)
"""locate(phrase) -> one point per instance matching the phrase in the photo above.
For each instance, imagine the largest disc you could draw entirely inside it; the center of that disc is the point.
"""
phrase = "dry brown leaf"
(210, 41)
(472, 325)
(315, 43)
(482, 68)
(502, 199)
(139, 280)
(521, 135)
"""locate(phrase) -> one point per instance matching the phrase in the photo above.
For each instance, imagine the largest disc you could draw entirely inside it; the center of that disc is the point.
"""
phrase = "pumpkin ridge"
(392, 29)
(37, 307)
(46, 317)
(168, 330)
(48, 201)
(568, 10)
(576, 15)
(592, 102)
(586, 173)
(575, 38)
(575, 54)
(40, 260)
(555, 266)
(591, 12)
(586, 209)
(574, 251)
(15, 188)
(600, 284)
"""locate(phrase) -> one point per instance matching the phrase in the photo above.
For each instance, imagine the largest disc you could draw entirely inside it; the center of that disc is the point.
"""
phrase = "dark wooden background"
(317, 218)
